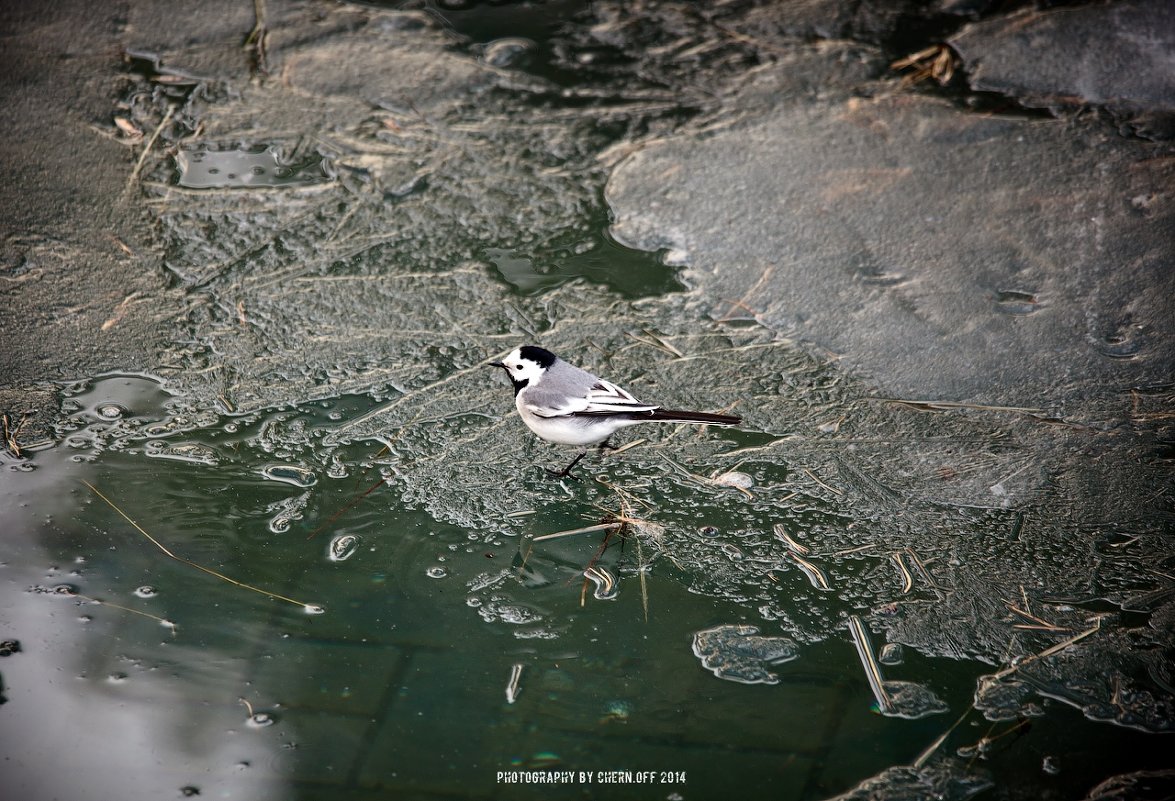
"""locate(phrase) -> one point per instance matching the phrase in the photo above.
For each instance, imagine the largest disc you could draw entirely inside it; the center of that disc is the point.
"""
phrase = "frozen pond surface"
(272, 517)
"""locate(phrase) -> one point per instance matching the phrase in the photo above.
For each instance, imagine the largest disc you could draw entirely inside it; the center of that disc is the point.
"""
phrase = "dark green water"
(399, 687)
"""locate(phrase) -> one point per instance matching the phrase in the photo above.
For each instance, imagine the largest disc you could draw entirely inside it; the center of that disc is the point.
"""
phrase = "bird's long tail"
(674, 416)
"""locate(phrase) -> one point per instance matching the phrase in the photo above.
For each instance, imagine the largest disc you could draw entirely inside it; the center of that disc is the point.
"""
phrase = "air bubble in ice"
(740, 653)
(290, 474)
(342, 547)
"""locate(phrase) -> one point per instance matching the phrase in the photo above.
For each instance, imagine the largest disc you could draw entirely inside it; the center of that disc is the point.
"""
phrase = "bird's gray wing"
(605, 398)
(545, 401)
(602, 398)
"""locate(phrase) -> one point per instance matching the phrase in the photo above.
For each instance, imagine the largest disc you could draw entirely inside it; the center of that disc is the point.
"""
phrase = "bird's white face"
(522, 369)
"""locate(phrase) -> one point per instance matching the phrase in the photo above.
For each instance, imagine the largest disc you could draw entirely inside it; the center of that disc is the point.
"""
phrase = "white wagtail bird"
(568, 406)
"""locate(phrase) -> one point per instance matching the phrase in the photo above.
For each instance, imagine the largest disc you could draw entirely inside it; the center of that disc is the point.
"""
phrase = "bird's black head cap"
(540, 355)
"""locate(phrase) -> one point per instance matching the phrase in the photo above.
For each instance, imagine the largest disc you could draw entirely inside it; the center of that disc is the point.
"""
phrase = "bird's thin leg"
(566, 471)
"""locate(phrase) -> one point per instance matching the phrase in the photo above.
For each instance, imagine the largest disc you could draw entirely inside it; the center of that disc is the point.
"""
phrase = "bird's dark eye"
(518, 367)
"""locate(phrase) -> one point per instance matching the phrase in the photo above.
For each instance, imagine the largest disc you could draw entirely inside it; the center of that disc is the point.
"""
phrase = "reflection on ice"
(163, 751)
(206, 168)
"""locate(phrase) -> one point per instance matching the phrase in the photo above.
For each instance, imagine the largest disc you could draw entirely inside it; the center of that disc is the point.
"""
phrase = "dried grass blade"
(189, 562)
(573, 531)
(1047, 652)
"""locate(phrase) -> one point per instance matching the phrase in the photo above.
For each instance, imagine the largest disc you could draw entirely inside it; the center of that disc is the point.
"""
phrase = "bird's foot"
(559, 474)
(566, 471)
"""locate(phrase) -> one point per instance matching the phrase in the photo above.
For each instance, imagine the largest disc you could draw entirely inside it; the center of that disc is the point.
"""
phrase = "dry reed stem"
(134, 176)
(812, 476)
(189, 562)
(160, 620)
(872, 671)
(938, 741)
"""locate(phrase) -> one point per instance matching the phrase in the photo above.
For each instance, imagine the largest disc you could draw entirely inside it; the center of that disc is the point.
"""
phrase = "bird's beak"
(497, 364)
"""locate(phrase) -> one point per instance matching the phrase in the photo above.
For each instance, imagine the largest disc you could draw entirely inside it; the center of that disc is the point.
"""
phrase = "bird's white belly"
(579, 431)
